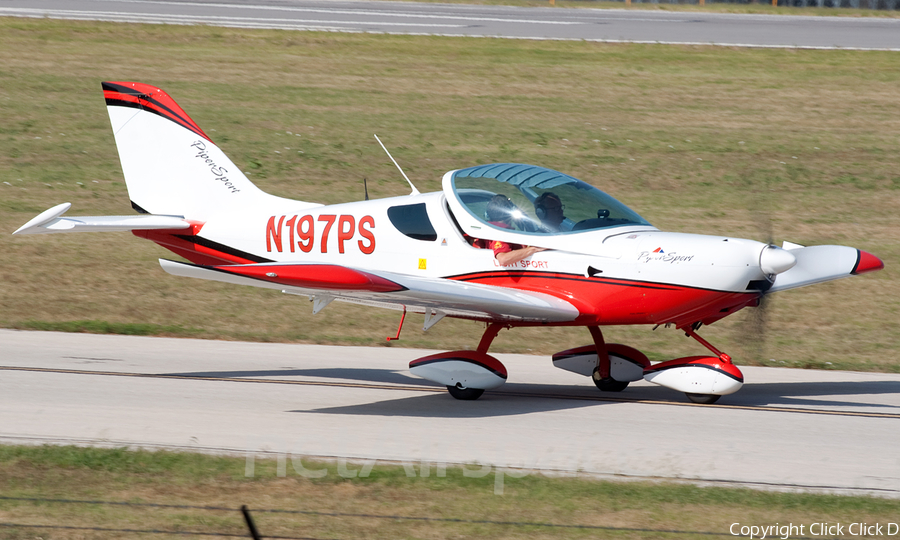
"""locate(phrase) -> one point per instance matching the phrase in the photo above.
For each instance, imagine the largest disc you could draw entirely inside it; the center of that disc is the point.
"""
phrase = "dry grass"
(446, 507)
(736, 142)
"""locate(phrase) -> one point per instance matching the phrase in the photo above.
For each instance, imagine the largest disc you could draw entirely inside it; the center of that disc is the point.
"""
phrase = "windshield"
(536, 200)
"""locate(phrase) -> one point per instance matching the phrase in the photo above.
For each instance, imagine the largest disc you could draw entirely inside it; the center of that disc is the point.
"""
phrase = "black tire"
(609, 384)
(466, 394)
(703, 399)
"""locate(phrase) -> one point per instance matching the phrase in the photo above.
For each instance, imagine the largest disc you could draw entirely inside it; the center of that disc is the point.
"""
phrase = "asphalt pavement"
(606, 25)
(786, 429)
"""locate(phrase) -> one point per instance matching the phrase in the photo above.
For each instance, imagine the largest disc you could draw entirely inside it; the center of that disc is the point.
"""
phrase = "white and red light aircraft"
(602, 264)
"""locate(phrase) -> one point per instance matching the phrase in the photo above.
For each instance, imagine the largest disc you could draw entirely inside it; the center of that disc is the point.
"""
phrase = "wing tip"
(43, 218)
(866, 262)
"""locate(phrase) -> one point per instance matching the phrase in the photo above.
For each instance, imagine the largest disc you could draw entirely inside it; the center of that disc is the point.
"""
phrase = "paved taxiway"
(833, 431)
(616, 25)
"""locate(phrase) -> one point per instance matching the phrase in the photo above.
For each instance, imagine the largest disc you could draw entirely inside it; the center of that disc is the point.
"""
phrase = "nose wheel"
(466, 394)
(703, 399)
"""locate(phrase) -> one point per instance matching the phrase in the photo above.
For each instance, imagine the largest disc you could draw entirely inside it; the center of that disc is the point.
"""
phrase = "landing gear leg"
(601, 375)
(489, 334)
(692, 332)
(705, 399)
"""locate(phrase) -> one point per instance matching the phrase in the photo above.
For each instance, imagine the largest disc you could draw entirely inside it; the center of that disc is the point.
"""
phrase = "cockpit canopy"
(534, 200)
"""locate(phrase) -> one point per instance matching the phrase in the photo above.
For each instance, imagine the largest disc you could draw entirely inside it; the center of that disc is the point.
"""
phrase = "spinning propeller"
(772, 261)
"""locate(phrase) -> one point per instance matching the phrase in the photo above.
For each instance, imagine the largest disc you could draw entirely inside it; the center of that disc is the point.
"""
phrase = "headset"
(540, 208)
(499, 208)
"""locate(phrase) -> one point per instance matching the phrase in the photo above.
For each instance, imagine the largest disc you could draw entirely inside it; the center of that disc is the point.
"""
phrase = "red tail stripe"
(152, 99)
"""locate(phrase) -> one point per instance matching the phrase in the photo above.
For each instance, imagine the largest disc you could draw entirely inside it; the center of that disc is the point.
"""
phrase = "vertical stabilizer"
(171, 166)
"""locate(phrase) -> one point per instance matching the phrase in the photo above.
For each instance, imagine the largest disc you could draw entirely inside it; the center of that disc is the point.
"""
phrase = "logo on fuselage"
(661, 255)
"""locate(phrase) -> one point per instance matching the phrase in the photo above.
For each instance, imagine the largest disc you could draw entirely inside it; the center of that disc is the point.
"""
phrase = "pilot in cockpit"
(549, 209)
(502, 212)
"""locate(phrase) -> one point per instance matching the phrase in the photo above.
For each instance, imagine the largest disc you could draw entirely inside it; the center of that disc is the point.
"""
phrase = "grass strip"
(106, 327)
(73, 490)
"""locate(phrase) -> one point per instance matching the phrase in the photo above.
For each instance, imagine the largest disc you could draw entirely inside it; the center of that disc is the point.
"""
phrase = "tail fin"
(171, 166)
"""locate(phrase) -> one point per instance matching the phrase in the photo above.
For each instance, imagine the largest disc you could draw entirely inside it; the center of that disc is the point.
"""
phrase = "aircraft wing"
(325, 282)
(817, 264)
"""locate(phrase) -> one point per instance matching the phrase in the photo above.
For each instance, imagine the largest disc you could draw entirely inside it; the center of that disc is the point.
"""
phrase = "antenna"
(414, 190)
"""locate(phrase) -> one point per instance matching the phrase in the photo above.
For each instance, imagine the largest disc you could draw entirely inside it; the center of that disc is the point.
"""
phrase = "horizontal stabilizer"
(387, 289)
(817, 264)
(51, 221)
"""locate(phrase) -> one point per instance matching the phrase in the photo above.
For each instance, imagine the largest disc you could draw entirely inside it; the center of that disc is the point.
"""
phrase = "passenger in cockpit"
(502, 212)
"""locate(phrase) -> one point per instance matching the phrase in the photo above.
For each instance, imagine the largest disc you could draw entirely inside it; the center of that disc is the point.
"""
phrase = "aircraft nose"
(774, 260)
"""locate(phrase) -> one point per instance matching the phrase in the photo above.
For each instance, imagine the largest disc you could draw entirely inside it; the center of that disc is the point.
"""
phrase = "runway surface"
(786, 429)
(639, 26)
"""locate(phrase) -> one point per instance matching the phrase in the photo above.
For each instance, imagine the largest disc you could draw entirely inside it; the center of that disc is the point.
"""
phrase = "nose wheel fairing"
(702, 378)
(698, 375)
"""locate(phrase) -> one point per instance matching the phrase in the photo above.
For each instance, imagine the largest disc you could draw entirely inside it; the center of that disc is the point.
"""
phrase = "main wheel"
(703, 399)
(609, 384)
(467, 394)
